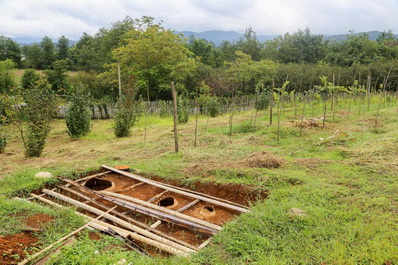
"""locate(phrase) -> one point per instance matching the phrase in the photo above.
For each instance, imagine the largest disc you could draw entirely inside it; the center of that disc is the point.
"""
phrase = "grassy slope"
(349, 190)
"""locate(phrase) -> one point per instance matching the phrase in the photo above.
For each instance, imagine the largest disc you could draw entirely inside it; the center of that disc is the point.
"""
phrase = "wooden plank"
(189, 205)
(160, 185)
(205, 243)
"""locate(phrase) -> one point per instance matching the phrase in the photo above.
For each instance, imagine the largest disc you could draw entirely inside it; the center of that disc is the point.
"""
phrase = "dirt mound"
(264, 159)
(311, 162)
(13, 247)
(38, 220)
(308, 123)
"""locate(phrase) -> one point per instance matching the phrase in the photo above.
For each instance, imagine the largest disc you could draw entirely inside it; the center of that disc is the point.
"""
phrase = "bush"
(78, 118)
(182, 109)
(126, 114)
(40, 105)
(165, 109)
(3, 143)
(29, 79)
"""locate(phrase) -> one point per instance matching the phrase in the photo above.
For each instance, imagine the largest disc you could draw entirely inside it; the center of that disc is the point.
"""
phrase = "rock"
(121, 262)
(296, 212)
(96, 252)
(44, 174)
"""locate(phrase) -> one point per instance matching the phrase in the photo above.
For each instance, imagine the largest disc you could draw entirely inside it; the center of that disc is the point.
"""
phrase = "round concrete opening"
(169, 202)
(98, 184)
(207, 211)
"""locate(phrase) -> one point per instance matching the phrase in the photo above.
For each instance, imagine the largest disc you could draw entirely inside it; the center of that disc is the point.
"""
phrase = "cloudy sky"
(53, 18)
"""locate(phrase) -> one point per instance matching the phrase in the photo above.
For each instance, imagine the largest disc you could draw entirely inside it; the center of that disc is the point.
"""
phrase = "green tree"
(40, 105)
(33, 56)
(63, 48)
(299, 47)
(9, 49)
(356, 49)
(30, 79)
(78, 118)
(250, 45)
(57, 77)
(7, 81)
(48, 53)
(150, 55)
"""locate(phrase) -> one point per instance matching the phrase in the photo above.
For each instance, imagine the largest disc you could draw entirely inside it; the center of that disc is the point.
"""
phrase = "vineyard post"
(174, 92)
(271, 100)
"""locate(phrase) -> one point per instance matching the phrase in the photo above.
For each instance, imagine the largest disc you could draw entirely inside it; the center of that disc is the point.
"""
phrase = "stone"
(296, 212)
(44, 174)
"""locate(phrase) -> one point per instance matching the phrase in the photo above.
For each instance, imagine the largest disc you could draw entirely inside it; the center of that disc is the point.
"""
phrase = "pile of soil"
(38, 220)
(263, 159)
(13, 247)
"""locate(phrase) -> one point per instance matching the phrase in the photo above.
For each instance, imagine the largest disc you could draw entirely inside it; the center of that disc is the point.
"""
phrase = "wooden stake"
(175, 115)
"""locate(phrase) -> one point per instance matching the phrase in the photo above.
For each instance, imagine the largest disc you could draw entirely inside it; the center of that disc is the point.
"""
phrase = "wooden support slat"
(173, 189)
(157, 196)
(205, 243)
(189, 205)
(119, 221)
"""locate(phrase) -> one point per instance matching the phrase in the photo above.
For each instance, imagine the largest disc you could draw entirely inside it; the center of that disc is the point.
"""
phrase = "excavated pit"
(174, 201)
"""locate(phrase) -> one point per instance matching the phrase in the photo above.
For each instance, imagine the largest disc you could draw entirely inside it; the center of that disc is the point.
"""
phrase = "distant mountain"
(218, 36)
(31, 41)
(373, 35)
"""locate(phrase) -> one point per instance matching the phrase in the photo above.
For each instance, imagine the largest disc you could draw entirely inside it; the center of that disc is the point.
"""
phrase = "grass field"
(347, 185)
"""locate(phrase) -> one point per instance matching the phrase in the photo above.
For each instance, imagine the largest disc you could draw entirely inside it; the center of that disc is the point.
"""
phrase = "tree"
(30, 79)
(34, 55)
(7, 81)
(56, 76)
(299, 47)
(63, 48)
(356, 49)
(150, 55)
(10, 49)
(250, 45)
(48, 53)
(78, 117)
(40, 105)
(248, 73)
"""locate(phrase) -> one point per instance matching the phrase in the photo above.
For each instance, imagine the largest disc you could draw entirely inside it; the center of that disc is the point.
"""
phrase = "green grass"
(348, 189)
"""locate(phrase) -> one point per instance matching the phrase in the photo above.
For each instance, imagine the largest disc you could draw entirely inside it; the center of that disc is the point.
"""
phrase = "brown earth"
(13, 248)
(264, 159)
(38, 220)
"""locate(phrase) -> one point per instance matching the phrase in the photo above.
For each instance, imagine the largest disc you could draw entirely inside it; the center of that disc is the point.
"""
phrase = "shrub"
(29, 79)
(182, 109)
(3, 143)
(78, 117)
(40, 104)
(126, 114)
(164, 109)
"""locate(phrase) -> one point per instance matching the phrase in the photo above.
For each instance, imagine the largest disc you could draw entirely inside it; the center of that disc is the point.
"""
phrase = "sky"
(54, 18)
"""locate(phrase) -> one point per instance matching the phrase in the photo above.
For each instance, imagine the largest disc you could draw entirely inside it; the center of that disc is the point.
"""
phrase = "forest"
(153, 56)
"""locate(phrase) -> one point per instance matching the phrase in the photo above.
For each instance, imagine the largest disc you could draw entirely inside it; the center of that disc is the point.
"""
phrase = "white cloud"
(30, 18)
